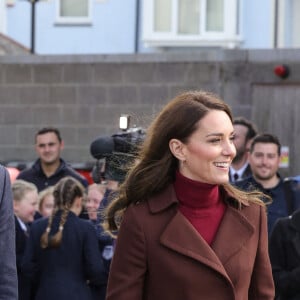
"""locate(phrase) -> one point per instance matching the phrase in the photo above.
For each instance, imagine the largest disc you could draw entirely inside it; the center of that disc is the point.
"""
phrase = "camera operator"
(113, 154)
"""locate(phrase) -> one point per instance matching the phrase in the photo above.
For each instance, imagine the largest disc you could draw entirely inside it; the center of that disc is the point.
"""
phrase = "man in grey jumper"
(8, 274)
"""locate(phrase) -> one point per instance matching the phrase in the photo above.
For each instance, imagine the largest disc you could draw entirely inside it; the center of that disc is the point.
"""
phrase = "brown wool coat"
(160, 256)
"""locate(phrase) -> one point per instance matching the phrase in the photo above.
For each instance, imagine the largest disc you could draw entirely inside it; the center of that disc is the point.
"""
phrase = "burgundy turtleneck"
(201, 204)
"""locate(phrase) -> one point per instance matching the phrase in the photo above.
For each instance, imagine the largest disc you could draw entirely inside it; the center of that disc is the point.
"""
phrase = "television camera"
(114, 153)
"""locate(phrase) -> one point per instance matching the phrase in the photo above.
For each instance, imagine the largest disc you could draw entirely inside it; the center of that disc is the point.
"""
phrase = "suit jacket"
(247, 172)
(62, 273)
(24, 284)
(159, 255)
(8, 275)
(284, 250)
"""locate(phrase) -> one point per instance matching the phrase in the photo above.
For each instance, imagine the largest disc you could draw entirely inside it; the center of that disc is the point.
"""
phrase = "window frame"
(286, 26)
(229, 37)
(73, 20)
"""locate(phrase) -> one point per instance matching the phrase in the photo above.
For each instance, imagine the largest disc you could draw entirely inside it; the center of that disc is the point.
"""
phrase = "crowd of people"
(60, 248)
(261, 160)
(203, 213)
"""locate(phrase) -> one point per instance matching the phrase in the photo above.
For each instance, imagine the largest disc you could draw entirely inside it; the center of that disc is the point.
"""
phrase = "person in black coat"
(62, 254)
(284, 249)
(49, 168)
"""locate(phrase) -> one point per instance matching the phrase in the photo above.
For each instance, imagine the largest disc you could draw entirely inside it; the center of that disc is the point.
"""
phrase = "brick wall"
(84, 95)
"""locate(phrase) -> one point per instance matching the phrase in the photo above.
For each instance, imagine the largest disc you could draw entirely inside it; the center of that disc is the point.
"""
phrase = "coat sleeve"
(93, 262)
(8, 276)
(262, 284)
(287, 281)
(128, 267)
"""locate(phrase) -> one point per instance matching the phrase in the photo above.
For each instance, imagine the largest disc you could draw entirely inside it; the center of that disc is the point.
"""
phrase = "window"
(2, 17)
(73, 11)
(288, 23)
(191, 23)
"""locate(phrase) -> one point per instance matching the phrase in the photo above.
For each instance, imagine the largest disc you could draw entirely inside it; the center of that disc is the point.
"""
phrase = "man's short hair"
(252, 130)
(266, 138)
(47, 130)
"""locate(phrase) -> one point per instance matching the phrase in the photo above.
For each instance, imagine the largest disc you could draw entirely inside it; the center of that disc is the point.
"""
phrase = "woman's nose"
(229, 149)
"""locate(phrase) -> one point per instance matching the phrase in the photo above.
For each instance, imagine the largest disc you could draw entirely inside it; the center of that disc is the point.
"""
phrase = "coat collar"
(163, 200)
(295, 220)
(38, 166)
(180, 236)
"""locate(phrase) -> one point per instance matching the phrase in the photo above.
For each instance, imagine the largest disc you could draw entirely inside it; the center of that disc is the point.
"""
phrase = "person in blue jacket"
(62, 254)
(264, 159)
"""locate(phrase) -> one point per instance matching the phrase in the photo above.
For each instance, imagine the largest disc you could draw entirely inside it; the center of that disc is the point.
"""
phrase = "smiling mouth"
(224, 165)
(264, 168)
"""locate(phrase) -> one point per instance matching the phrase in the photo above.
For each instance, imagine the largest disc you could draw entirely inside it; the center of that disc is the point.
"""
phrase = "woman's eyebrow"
(214, 134)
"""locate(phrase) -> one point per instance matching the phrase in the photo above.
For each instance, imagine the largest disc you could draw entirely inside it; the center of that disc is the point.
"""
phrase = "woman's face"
(47, 206)
(208, 153)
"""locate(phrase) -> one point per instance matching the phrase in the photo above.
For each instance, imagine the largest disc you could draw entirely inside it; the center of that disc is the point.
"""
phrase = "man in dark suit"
(8, 276)
(244, 132)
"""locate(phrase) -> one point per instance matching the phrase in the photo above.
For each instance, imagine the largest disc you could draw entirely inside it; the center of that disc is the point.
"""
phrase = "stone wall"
(84, 95)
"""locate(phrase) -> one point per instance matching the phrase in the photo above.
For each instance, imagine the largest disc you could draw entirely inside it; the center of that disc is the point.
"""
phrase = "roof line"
(14, 42)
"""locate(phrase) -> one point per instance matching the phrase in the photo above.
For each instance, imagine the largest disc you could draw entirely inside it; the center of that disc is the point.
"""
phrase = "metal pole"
(32, 50)
(276, 20)
(137, 24)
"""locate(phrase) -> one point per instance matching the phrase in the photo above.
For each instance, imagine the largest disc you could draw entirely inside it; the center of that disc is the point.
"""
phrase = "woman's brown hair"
(156, 166)
(65, 192)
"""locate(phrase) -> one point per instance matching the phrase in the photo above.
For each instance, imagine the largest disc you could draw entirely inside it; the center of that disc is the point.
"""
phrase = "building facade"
(141, 26)
(97, 59)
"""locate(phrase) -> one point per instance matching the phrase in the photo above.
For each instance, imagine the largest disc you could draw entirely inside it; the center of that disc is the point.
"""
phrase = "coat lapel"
(182, 237)
(233, 233)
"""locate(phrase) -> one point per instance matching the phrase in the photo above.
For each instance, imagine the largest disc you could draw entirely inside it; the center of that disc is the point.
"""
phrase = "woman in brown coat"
(184, 231)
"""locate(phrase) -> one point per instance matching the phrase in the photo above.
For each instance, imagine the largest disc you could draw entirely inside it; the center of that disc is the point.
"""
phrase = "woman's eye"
(214, 141)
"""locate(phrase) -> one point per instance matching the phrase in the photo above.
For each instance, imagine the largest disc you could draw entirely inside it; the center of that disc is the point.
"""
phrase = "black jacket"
(36, 175)
(24, 284)
(284, 248)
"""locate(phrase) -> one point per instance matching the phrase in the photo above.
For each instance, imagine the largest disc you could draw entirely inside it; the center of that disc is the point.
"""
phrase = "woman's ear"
(177, 149)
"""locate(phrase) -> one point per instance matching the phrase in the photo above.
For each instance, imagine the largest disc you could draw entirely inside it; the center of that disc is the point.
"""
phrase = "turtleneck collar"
(195, 194)
(201, 204)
